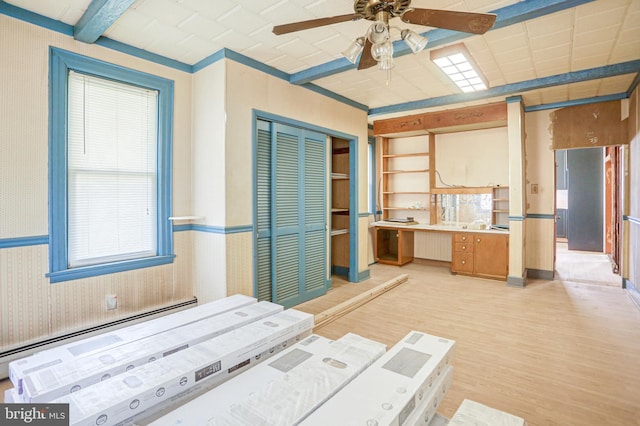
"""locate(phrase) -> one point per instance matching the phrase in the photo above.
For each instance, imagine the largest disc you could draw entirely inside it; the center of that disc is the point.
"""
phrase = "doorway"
(588, 219)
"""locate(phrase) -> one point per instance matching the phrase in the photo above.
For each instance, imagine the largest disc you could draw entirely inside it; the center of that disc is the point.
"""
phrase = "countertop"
(440, 228)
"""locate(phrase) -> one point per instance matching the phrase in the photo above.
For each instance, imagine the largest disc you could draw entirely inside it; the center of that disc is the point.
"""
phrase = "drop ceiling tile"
(240, 20)
(552, 66)
(618, 84)
(210, 9)
(550, 24)
(485, 5)
(166, 11)
(505, 33)
(600, 14)
(626, 51)
(582, 90)
(67, 11)
(258, 7)
(603, 35)
(554, 94)
(514, 55)
(202, 26)
(551, 39)
(561, 53)
(585, 63)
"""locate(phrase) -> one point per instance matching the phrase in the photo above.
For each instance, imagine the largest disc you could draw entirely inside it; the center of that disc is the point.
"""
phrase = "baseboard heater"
(23, 351)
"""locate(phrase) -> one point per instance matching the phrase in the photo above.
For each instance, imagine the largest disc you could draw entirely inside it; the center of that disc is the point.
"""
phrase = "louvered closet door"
(298, 215)
(291, 217)
(263, 211)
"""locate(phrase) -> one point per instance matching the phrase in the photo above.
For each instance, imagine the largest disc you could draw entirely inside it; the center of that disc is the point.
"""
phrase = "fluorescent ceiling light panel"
(458, 64)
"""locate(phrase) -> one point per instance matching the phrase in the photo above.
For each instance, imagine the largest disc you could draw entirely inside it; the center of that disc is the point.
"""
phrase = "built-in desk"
(476, 252)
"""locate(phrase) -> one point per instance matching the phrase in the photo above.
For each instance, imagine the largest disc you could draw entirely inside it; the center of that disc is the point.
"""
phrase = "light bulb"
(354, 49)
(378, 32)
(415, 41)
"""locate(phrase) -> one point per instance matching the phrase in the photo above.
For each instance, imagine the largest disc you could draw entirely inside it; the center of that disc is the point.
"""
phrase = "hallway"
(584, 267)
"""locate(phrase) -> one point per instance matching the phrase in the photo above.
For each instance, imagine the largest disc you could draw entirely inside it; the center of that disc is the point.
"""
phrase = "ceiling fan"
(376, 46)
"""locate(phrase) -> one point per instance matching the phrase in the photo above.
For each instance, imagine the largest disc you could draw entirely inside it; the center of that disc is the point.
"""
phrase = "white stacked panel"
(425, 412)
(474, 413)
(11, 396)
(205, 364)
(62, 379)
(71, 351)
(386, 393)
(284, 390)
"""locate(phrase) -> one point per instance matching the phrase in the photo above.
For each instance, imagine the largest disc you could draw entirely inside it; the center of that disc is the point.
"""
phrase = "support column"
(517, 194)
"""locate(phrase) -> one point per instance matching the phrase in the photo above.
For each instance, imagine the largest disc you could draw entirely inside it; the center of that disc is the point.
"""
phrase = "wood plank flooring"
(554, 353)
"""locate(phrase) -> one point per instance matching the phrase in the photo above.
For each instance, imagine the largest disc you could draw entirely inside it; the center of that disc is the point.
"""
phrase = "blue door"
(291, 231)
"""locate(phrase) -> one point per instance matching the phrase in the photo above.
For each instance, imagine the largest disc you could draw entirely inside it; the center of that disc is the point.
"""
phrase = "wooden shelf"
(335, 232)
(495, 200)
(391, 172)
(335, 210)
(405, 208)
(339, 176)
(415, 154)
(407, 192)
(338, 151)
(500, 211)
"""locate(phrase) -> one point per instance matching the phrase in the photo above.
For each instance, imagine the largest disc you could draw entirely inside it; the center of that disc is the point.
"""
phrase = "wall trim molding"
(520, 282)
(540, 216)
(516, 218)
(632, 291)
(583, 101)
(24, 241)
(211, 229)
(364, 275)
(541, 274)
(508, 15)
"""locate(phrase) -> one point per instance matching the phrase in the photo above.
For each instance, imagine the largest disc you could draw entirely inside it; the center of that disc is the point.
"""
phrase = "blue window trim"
(60, 62)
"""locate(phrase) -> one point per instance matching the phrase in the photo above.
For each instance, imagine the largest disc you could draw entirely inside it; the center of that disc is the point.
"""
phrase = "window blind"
(112, 167)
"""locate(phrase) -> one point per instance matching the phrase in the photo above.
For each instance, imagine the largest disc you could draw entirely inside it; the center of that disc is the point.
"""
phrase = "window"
(110, 168)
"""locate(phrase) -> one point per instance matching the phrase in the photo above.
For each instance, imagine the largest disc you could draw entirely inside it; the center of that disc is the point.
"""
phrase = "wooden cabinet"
(393, 246)
(480, 254)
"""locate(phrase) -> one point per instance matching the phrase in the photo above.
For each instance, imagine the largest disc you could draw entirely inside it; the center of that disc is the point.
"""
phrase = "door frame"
(353, 188)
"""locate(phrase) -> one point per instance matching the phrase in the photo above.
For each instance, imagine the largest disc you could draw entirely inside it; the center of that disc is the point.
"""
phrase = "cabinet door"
(462, 263)
(491, 255)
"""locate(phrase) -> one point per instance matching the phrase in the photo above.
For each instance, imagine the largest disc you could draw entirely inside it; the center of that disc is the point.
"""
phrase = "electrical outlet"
(534, 188)
(112, 302)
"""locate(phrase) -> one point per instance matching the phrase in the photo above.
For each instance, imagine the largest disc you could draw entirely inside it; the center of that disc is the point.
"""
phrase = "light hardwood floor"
(555, 353)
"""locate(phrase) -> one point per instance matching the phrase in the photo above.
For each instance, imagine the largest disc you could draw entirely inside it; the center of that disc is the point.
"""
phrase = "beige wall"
(540, 169)
(473, 158)
(631, 250)
(30, 307)
(223, 140)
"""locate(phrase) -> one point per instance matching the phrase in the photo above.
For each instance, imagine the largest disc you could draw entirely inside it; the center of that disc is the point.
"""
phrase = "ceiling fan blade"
(313, 23)
(468, 22)
(366, 59)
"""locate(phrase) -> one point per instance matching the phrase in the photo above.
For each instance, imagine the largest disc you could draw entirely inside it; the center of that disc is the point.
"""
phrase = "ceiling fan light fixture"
(382, 51)
(458, 64)
(354, 49)
(378, 32)
(415, 41)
